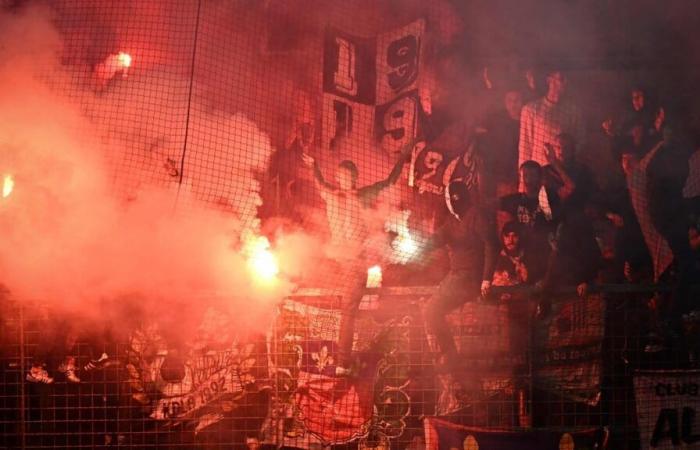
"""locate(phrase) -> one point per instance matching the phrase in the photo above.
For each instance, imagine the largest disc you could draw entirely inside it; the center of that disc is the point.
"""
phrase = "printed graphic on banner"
(427, 169)
(360, 75)
(345, 119)
(568, 347)
(199, 383)
(668, 409)
(349, 67)
(443, 435)
(489, 357)
(432, 169)
(465, 168)
(348, 89)
(397, 122)
(399, 61)
(311, 405)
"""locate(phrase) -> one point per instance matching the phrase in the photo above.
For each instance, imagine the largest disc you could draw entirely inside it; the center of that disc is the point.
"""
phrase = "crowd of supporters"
(560, 228)
(554, 227)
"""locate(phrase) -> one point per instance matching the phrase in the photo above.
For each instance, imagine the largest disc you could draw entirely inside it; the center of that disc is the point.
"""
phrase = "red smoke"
(70, 240)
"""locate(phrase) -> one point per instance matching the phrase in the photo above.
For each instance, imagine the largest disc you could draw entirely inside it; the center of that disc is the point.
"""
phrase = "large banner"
(490, 360)
(668, 407)
(443, 435)
(311, 406)
(568, 348)
(399, 64)
(197, 382)
(370, 87)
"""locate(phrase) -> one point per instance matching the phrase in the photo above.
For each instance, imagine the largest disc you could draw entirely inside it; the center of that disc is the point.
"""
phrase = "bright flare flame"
(124, 59)
(406, 245)
(262, 263)
(374, 277)
(8, 184)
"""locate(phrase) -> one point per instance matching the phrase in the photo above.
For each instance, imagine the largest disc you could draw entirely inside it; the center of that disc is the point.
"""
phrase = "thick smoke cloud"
(69, 239)
(148, 180)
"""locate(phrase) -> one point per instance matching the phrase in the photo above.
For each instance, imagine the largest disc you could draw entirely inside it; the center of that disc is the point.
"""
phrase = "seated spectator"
(514, 265)
(570, 180)
(510, 268)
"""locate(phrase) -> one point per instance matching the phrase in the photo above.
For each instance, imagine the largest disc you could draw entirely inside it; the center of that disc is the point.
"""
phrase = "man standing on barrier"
(472, 244)
(345, 208)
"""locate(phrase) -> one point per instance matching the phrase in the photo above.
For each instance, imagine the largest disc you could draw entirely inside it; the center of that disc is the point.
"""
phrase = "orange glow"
(124, 59)
(262, 263)
(374, 277)
(8, 184)
(406, 245)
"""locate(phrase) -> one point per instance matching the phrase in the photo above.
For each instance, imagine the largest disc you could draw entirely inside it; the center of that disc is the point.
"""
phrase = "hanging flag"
(443, 435)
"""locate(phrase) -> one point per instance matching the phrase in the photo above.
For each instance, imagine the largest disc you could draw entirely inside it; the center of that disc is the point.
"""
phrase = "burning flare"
(112, 65)
(374, 277)
(404, 246)
(262, 263)
(8, 184)
(124, 59)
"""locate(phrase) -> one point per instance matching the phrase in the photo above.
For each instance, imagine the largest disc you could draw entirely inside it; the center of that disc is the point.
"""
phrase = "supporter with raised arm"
(640, 120)
(632, 257)
(536, 207)
(667, 173)
(572, 181)
(345, 203)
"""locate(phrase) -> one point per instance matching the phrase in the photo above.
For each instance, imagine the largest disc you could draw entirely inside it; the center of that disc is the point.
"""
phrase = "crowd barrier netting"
(193, 143)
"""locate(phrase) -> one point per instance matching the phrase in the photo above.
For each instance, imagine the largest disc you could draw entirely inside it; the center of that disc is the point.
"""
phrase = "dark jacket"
(471, 243)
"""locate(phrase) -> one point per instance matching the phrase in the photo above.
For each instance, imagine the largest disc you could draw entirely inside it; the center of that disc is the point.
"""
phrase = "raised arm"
(373, 190)
(322, 184)
(644, 162)
(569, 185)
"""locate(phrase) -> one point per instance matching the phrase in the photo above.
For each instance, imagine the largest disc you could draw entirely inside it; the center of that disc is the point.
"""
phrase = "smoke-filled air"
(75, 230)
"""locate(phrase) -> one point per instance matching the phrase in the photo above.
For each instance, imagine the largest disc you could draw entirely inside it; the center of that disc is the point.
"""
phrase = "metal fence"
(526, 368)
(201, 106)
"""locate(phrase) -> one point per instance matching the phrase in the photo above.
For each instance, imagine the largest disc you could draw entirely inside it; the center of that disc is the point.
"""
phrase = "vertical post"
(189, 101)
(22, 387)
(525, 392)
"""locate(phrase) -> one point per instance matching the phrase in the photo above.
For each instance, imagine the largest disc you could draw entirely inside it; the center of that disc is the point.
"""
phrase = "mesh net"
(225, 225)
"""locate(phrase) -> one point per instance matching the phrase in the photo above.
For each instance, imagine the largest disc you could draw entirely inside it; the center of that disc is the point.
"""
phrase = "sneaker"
(97, 364)
(38, 374)
(68, 369)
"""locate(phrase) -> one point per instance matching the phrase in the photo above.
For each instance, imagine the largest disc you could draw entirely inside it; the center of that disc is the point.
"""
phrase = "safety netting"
(348, 224)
